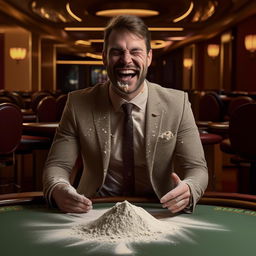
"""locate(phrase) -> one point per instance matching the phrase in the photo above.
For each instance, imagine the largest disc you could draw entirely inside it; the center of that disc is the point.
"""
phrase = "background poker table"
(222, 224)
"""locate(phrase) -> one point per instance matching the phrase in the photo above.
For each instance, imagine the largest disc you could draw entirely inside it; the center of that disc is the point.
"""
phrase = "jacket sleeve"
(189, 154)
(63, 152)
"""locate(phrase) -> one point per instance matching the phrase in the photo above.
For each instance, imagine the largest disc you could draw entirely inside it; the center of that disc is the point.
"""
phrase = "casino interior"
(206, 48)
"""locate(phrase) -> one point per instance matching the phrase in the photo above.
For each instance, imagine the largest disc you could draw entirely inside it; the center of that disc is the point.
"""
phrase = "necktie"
(127, 151)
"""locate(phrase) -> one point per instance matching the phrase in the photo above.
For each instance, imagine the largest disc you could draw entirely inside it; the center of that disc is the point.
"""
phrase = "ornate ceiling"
(178, 21)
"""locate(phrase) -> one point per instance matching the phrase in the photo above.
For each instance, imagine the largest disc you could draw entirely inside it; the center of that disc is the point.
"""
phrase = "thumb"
(175, 179)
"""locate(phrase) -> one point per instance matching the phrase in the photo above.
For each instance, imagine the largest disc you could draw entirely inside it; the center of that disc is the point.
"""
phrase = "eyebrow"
(121, 49)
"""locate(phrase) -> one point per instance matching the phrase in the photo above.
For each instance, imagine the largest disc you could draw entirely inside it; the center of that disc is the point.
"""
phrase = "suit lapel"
(154, 116)
(101, 114)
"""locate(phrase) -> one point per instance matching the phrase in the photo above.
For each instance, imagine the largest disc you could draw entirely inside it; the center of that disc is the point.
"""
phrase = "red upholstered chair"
(210, 144)
(237, 102)
(47, 110)
(60, 104)
(36, 98)
(242, 135)
(211, 108)
(10, 133)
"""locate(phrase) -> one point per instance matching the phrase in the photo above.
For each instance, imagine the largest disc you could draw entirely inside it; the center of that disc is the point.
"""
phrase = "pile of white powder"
(123, 222)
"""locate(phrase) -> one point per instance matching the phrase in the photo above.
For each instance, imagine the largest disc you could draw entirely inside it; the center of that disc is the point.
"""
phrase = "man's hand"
(178, 198)
(68, 200)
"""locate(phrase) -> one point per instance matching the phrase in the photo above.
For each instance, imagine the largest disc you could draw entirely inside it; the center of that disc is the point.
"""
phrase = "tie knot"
(127, 108)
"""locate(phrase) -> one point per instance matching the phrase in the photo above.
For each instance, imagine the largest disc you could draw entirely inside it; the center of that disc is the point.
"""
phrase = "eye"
(136, 52)
(115, 52)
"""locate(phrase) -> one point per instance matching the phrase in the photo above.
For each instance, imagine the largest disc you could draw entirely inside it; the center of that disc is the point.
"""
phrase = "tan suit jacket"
(172, 141)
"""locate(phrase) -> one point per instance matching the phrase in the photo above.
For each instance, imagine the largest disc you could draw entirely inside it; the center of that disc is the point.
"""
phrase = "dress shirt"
(114, 180)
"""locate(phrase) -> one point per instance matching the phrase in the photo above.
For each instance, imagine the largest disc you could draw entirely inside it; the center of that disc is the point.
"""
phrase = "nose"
(126, 57)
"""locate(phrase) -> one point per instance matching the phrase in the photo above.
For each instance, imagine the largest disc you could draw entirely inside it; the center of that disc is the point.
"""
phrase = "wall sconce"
(213, 50)
(18, 53)
(250, 43)
(188, 63)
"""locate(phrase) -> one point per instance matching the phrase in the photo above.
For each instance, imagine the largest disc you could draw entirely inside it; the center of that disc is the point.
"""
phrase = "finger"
(175, 179)
(80, 198)
(76, 209)
(70, 205)
(184, 196)
(176, 192)
(178, 206)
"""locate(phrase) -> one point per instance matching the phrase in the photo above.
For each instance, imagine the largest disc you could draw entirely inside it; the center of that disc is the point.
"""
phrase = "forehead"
(125, 39)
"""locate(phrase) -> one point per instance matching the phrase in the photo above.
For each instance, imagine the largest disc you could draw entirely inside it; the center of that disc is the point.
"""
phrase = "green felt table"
(31, 228)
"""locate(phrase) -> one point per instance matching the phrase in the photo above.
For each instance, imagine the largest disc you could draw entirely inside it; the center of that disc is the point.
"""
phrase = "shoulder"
(88, 95)
(88, 92)
(167, 94)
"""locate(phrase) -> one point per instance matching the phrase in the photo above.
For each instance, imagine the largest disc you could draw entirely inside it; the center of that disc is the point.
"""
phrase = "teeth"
(126, 72)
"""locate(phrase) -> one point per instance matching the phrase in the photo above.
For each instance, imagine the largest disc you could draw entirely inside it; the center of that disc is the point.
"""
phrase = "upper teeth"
(127, 72)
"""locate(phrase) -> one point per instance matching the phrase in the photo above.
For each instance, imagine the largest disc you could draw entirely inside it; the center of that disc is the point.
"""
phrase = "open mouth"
(125, 75)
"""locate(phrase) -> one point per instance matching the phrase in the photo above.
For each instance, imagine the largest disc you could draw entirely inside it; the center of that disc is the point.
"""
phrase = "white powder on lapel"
(124, 222)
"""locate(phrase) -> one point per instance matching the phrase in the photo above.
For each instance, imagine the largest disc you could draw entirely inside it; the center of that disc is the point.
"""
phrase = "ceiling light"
(82, 42)
(71, 13)
(137, 12)
(93, 55)
(183, 16)
(157, 44)
(176, 38)
(96, 40)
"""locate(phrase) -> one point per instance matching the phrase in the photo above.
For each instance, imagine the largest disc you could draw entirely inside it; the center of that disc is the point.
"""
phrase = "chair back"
(46, 110)
(36, 98)
(211, 108)
(237, 102)
(10, 128)
(61, 102)
(242, 131)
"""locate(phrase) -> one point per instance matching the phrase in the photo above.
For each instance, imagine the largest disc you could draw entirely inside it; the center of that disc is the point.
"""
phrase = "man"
(166, 138)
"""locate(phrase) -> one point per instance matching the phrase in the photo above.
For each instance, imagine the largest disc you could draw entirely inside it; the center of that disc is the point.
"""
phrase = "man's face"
(127, 61)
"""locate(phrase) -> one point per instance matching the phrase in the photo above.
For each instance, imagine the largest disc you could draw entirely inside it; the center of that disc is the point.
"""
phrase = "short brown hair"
(131, 23)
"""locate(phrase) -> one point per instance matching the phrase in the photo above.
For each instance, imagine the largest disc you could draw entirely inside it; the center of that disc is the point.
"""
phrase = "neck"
(127, 96)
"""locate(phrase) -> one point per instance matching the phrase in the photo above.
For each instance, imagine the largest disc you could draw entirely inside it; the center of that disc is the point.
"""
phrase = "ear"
(104, 58)
(149, 57)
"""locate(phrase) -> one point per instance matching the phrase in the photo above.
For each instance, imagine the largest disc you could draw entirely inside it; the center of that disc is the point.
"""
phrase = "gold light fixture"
(250, 43)
(137, 12)
(71, 13)
(187, 63)
(184, 15)
(82, 42)
(213, 50)
(94, 55)
(158, 44)
(18, 53)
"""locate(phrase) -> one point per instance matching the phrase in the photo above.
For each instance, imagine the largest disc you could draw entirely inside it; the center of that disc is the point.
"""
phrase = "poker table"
(222, 224)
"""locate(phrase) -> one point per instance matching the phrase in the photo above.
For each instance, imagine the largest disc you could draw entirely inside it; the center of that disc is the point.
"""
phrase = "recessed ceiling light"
(183, 16)
(137, 12)
(71, 13)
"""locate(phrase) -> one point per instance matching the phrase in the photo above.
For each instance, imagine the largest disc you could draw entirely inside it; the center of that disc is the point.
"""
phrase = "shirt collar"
(139, 100)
